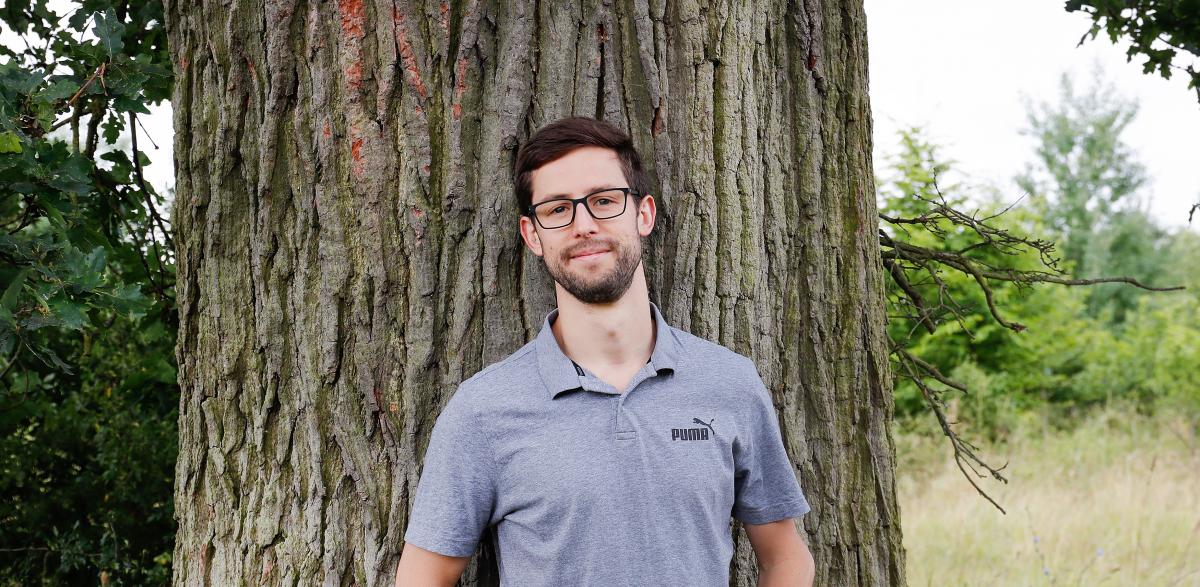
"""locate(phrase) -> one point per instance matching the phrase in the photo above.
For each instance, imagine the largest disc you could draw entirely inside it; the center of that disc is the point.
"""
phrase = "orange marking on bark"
(460, 84)
(418, 212)
(425, 168)
(351, 12)
(407, 55)
(460, 87)
(184, 63)
(444, 17)
(356, 150)
(354, 75)
(394, 407)
(326, 131)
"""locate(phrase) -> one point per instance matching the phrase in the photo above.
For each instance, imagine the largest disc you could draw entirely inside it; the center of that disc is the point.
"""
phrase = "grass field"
(1116, 501)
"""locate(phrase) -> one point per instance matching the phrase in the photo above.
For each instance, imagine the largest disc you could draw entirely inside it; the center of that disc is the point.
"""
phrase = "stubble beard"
(606, 288)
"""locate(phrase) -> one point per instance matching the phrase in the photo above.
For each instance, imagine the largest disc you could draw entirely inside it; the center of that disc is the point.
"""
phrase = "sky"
(960, 70)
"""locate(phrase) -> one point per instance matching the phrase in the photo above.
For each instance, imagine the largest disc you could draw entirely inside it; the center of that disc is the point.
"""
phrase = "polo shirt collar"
(558, 371)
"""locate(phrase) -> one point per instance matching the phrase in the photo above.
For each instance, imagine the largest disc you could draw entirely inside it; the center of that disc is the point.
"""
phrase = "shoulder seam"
(503, 362)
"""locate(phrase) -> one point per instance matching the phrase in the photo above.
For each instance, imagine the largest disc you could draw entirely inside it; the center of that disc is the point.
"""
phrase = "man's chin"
(592, 292)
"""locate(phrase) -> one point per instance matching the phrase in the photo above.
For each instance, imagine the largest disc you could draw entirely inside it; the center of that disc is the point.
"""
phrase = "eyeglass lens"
(559, 213)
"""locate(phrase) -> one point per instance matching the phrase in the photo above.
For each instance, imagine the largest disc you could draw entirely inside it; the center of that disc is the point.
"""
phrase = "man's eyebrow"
(595, 188)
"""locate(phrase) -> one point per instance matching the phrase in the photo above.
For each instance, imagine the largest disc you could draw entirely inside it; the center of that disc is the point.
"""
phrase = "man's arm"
(783, 557)
(419, 567)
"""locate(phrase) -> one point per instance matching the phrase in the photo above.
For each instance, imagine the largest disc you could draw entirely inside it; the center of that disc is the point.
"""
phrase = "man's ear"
(647, 213)
(530, 236)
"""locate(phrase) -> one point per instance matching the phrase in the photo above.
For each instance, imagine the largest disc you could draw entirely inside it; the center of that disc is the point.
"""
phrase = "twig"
(12, 361)
(964, 452)
(98, 73)
(141, 180)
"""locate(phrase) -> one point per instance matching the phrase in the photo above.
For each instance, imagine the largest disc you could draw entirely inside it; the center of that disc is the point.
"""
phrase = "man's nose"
(584, 222)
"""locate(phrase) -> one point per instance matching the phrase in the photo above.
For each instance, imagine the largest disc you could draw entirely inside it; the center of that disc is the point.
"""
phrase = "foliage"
(1065, 361)
(965, 335)
(87, 316)
(958, 278)
(1158, 30)
(1086, 185)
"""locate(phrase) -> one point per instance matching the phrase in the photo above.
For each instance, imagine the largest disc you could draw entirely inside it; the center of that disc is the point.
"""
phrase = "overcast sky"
(959, 70)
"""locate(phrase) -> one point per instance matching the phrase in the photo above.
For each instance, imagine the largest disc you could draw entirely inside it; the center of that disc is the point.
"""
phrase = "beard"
(604, 287)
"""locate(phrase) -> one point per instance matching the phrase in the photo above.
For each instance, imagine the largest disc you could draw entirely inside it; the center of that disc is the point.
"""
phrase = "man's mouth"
(589, 255)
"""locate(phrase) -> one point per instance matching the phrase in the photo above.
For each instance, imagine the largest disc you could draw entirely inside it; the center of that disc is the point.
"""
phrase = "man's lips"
(589, 255)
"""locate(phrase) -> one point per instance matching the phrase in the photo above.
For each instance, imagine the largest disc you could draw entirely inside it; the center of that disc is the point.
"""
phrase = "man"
(613, 448)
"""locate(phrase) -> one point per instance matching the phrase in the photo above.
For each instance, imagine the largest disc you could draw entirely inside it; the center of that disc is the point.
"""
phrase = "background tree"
(1087, 186)
(958, 280)
(345, 255)
(87, 322)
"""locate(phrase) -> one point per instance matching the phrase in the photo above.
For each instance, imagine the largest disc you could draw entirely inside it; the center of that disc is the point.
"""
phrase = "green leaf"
(109, 30)
(113, 125)
(51, 359)
(37, 320)
(79, 19)
(71, 315)
(85, 273)
(127, 104)
(96, 260)
(8, 338)
(9, 299)
(10, 142)
(127, 297)
(61, 89)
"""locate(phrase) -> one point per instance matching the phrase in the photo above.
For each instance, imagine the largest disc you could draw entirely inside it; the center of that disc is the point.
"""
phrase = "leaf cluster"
(88, 393)
(1163, 32)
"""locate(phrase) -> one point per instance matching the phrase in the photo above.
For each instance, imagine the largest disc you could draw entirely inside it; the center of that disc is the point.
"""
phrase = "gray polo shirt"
(584, 485)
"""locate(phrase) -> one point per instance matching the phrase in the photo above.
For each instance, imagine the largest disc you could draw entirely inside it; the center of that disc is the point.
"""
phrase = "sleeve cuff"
(788, 509)
(443, 545)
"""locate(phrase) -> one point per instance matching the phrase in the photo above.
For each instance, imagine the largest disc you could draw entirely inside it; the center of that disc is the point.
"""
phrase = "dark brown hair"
(565, 135)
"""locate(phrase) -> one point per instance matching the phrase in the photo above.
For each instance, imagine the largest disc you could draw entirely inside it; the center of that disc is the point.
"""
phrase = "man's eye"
(604, 201)
(558, 209)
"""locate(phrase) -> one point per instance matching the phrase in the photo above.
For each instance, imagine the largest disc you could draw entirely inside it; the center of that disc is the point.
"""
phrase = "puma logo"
(694, 433)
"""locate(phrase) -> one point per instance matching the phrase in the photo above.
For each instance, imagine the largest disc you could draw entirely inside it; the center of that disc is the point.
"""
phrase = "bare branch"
(964, 452)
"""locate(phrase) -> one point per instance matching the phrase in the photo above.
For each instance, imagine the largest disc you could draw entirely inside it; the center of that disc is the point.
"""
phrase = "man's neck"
(605, 337)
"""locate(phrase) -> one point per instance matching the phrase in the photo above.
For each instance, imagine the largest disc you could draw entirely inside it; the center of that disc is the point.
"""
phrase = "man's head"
(594, 259)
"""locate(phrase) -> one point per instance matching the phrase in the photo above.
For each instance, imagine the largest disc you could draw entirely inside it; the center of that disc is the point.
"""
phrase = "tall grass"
(1113, 501)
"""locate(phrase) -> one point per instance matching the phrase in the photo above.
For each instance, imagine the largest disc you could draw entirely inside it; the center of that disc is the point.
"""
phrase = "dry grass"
(1114, 502)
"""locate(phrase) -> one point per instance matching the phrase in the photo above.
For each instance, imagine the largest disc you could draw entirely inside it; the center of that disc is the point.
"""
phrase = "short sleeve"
(765, 484)
(456, 492)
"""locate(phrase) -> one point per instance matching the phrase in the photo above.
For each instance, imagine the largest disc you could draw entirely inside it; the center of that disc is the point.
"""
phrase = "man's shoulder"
(703, 354)
(503, 376)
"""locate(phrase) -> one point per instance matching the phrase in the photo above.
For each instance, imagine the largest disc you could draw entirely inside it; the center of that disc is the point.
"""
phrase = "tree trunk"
(348, 252)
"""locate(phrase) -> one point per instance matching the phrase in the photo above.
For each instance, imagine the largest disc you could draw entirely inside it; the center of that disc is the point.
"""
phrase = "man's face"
(594, 260)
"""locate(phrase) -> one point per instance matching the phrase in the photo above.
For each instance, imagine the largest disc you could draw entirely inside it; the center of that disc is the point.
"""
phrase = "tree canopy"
(1164, 32)
(88, 391)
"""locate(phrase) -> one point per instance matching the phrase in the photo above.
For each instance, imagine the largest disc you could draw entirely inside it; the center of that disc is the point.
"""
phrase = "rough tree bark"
(347, 250)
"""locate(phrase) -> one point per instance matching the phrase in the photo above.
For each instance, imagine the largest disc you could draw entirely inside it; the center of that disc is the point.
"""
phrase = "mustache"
(610, 244)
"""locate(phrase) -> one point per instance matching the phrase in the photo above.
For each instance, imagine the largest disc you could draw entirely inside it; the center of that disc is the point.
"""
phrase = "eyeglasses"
(559, 212)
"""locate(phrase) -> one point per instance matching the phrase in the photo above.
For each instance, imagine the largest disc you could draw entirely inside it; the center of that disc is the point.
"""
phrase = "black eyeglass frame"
(530, 210)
